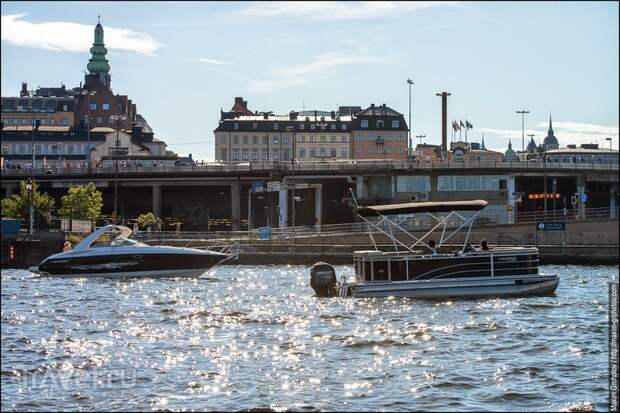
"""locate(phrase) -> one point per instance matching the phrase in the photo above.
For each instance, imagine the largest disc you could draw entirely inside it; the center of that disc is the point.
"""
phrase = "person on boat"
(483, 245)
(431, 244)
(66, 247)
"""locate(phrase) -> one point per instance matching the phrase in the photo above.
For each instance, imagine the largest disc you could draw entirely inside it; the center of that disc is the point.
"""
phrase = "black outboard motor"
(323, 279)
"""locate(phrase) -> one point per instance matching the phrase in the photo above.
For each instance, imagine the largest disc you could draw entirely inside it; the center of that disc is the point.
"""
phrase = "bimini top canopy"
(420, 207)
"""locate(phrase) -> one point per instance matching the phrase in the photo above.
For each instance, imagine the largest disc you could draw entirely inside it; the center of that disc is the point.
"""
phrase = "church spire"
(482, 144)
(98, 64)
(550, 127)
(551, 142)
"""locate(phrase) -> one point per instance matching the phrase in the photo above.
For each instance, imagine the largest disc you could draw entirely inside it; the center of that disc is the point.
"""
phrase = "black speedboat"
(109, 253)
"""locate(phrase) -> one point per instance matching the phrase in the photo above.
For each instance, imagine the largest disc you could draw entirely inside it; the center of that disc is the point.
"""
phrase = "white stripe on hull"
(476, 287)
(190, 273)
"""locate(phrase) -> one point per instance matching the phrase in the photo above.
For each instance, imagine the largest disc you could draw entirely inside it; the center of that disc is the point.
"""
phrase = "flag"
(469, 125)
(461, 124)
(455, 126)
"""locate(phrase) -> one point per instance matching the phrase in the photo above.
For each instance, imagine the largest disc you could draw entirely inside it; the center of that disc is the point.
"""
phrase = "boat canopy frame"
(384, 211)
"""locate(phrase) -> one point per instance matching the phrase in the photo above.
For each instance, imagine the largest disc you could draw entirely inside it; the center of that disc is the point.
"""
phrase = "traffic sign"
(584, 197)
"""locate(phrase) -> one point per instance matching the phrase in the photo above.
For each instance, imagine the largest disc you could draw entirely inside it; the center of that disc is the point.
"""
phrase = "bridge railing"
(350, 166)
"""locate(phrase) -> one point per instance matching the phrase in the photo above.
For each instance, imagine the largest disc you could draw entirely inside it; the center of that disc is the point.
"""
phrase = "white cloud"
(300, 74)
(211, 61)
(565, 132)
(72, 37)
(332, 10)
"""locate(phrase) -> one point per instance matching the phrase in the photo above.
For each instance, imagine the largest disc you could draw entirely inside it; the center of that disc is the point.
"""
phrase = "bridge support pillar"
(581, 190)
(359, 187)
(613, 201)
(157, 200)
(512, 199)
(235, 206)
(283, 203)
(318, 207)
(393, 187)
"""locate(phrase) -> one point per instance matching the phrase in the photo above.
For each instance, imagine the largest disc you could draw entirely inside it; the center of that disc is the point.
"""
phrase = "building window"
(380, 149)
(276, 139)
(388, 149)
(344, 126)
(395, 124)
(70, 149)
(323, 139)
(105, 106)
(37, 149)
(110, 120)
(370, 149)
(302, 139)
(400, 149)
(311, 139)
(333, 126)
(275, 125)
(235, 140)
(323, 125)
(371, 138)
(286, 154)
(255, 140)
(275, 154)
(224, 154)
(65, 121)
(333, 139)
(343, 139)
(333, 152)
(364, 124)
(93, 106)
(223, 140)
(43, 121)
(99, 120)
(285, 140)
(413, 183)
(22, 149)
(380, 124)
(359, 138)
(15, 121)
(301, 126)
(399, 138)
(312, 126)
(235, 154)
(55, 149)
(312, 152)
(245, 153)
(64, 108)
(255, 125)
(266, 141)
(255, 154)
(359, 149)
(343, 153)
(323, 152)
(52, 122)
(245, 140)
(6, 149)
(24, 121)
(265, 154)
(236, 125)
(388, 138)
(302, 152)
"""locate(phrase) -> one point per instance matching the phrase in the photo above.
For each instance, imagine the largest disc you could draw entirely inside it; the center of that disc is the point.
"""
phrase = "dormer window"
(301, 126)
(380, 124)
(344, 126)
(333, 126)
(275, 125)
(395, 124)
(255, 125)
(364, 123)
(236, 125)
(312, 126)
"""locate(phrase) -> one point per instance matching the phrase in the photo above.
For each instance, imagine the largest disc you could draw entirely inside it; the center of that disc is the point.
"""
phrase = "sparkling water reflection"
(256, 337)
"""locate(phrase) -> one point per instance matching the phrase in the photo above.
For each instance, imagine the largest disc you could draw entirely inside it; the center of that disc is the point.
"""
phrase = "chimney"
(265, 115)
(24, 92)
(332, 114)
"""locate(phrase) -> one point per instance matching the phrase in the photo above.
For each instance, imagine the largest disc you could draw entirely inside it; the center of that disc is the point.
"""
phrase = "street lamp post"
(30, 206)
(545, 180)
(609, 139)
(118, 119)
(523, 113)
(409, 151)
(87, 123)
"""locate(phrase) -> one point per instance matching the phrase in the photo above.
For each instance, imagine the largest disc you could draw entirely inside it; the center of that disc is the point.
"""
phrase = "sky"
(181, 62)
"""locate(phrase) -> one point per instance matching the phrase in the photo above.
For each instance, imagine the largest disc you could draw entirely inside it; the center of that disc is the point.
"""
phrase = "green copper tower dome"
(98, 64)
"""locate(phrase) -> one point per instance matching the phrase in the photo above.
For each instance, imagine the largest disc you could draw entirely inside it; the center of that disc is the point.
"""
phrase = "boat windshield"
(114, 238)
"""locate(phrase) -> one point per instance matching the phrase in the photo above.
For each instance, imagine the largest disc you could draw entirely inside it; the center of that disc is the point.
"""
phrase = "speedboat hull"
(473, 287)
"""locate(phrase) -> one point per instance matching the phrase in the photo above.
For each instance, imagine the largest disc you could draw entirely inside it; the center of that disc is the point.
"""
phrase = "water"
(255, 337)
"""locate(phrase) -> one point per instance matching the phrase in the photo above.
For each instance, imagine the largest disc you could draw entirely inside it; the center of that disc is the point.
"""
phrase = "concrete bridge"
(314, 193)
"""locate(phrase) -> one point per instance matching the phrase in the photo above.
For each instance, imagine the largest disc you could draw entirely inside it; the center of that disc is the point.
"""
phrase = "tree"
(17, 205)
(170, 152)
(147, 219)
(82, 202)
